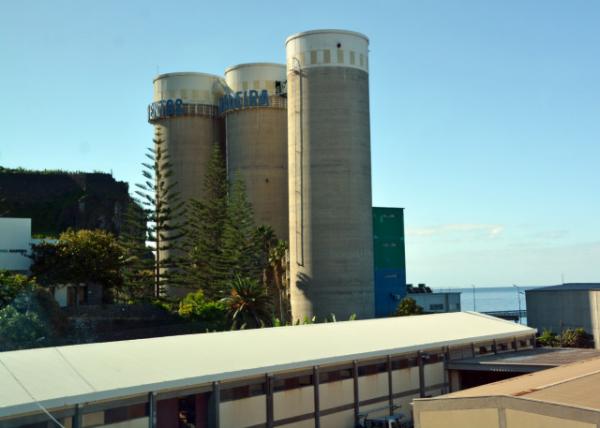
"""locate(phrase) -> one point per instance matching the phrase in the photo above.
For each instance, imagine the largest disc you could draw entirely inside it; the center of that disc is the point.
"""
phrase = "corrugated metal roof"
(67, 375)
(582, 286)
(576, 384)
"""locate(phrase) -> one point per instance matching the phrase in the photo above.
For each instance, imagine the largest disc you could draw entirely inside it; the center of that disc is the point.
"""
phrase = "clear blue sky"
(485, 116)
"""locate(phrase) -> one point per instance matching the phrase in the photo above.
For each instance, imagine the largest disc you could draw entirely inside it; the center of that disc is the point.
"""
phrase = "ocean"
(490, 299)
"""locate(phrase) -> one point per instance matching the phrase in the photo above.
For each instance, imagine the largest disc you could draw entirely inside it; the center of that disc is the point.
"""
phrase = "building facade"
(389, 259)
(286, 376)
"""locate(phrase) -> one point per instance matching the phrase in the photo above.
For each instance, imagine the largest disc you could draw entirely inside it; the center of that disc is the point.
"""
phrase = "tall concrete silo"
(256, 130)
(331, 237)
(185, 113)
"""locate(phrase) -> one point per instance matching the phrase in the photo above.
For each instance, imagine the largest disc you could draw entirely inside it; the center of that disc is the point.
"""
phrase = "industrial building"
(562, 397)
(298, 135)
(389, 259)
(327, 375)
(564, 306)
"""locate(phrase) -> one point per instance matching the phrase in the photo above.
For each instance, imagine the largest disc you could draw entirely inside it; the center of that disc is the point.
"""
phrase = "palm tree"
(249, 304)
(277, 262)
(274, 268)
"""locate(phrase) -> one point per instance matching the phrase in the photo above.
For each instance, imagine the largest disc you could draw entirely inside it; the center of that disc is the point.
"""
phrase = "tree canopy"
(82, 256)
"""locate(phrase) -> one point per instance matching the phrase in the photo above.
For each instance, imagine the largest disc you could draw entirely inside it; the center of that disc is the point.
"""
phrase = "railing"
(515, 315)
(160, 112)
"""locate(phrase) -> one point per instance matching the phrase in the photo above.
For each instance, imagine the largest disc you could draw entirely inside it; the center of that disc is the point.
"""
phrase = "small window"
(326, 56)
(245, 391)
(352, 59)
(361, 60)
(292, 383)
(120, 414)
(340, 56)
(313, 57)
(436, 307)
(404, 363)
(335, 375)
(372, 369)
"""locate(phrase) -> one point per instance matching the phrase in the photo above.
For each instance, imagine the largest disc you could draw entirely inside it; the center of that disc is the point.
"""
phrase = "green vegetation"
(29, 316)
(204, 265)
(569, 338)
(197, 308)
(408, 306)
(161, 207)
(249, 305)
(80, 257)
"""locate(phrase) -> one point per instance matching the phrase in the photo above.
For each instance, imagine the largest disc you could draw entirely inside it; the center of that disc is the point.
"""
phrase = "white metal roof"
(67, 375)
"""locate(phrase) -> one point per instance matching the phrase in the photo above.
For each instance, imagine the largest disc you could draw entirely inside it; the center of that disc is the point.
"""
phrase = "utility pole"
(519, 301)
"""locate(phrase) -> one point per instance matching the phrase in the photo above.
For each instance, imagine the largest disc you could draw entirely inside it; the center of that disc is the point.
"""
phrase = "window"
(404, 363)
(372, 369)
(436, 307)
(292, 383)
(335, 375)
(244, 391)
(119, 414)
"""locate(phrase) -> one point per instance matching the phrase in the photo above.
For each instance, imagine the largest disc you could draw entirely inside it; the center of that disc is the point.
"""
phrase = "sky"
(485, 116)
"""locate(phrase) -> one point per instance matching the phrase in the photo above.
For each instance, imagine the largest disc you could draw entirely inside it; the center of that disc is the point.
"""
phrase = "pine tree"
(205, 267)
(163, 211)
(138, 274)
(241, 248)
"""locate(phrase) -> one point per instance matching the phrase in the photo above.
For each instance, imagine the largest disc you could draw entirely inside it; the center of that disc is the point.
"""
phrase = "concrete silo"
(256, 136)
(331, 237)
(185, 113)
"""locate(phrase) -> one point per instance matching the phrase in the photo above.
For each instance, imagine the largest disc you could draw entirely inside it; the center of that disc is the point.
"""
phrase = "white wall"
(15, 238)
(450, 301)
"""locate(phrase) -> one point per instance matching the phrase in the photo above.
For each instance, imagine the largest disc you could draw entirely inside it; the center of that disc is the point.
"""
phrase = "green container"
(388, 223)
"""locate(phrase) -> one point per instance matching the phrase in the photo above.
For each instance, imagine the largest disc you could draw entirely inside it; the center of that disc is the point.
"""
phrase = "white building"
(15, 244)
(326, 375)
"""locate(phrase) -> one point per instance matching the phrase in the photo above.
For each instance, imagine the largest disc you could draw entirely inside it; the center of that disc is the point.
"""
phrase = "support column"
(317, 400)
(152, 410)
(269, 395)
(215, 406)
(421, 374)
(77, 417)
(390, 385)
(446, 351)
(356, 392)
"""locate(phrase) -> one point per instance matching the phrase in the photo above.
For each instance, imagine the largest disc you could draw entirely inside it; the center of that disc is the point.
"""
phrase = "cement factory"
(299, 136)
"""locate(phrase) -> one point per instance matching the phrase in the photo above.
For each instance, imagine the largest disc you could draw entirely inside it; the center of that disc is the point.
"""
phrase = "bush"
(408, 306)
(576, 338)
(28, 313)
(13, 285)
(548, 338)
(21, 329)
(195, 307)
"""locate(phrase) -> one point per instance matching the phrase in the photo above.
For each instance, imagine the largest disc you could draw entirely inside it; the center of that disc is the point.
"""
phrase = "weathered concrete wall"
(189, 142)
(257, 153)
(331, 237)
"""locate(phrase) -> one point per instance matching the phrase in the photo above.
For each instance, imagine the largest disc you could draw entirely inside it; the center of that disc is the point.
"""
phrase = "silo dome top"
(327, 48)
(190, 87)
(254, 65)
(256, 76)
(326, 31)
